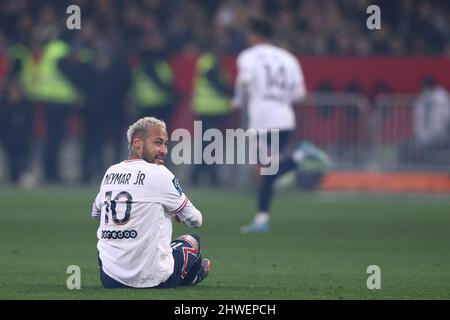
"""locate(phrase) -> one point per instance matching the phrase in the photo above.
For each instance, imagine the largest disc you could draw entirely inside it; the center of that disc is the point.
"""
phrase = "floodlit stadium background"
(381, 203)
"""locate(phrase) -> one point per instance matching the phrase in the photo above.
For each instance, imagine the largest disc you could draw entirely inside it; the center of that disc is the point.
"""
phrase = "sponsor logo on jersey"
(126, 234)
(177, 186)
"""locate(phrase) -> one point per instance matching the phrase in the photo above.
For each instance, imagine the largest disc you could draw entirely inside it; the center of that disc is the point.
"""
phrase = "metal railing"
(377, 136)
(338, 123)
(358, 134)
(395, 145)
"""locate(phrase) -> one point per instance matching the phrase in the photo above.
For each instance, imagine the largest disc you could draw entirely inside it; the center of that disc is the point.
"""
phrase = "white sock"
(262, 217)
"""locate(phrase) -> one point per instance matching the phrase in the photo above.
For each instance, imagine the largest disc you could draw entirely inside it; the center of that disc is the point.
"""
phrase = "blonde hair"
(141, 126)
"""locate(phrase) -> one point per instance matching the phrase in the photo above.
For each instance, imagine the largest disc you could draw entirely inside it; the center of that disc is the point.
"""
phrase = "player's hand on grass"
(176, 218)
(233, 105)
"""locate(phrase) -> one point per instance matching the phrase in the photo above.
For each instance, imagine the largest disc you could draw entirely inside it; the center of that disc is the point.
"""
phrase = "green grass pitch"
(319, 248)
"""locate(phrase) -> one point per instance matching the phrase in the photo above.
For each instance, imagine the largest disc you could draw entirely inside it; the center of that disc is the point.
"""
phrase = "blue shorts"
(187, 263)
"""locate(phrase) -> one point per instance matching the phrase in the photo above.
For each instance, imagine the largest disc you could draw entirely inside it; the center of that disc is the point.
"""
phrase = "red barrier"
(401, 74)
(398, 75)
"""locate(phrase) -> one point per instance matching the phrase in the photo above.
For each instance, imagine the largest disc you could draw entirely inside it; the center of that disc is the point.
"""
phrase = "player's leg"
(189, 268)
(200, 267)
(265, 189)
(306, 152)
(265, 196)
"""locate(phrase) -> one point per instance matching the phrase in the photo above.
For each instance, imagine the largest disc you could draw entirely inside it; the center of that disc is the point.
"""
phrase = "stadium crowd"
(304, 26)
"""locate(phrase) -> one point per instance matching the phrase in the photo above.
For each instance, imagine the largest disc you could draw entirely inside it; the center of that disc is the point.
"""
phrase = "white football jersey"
(273, 80)
(135, 204)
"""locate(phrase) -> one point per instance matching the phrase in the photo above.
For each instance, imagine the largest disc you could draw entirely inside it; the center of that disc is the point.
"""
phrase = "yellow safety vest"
(42, 80)
(145, 92)
(206, 99)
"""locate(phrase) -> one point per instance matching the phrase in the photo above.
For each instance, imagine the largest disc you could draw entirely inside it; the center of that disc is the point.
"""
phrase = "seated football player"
(138, 200)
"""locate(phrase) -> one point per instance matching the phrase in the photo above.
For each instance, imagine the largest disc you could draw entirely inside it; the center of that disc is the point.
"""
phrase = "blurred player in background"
(269, 81)
(137, 201)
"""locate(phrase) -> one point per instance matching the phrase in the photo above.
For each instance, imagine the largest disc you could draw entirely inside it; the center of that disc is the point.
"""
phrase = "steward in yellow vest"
(152, 80)
(211, 94)
(100, 71)
(210, 103)
(44, 85)
(40, 76)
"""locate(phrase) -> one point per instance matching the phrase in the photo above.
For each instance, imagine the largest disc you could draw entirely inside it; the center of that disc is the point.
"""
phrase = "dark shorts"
(187, 262)
(284, 137)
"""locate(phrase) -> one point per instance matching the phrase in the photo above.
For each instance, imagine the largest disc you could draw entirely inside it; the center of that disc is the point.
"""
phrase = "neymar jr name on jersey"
(123, 178)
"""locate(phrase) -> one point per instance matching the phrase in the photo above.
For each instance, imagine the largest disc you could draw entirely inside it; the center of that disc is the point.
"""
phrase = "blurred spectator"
(15, 129)
(152, 88)
(353, 114)
(380, 89)
(45, 85)
(326, 86)
(429, 39)
(98, 67)
(79, 67)
(431, 124)
(381, 41)
(408, 26)
(210, 102)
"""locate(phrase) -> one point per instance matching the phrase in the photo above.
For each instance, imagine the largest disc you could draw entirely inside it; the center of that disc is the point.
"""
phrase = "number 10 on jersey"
(110, 207)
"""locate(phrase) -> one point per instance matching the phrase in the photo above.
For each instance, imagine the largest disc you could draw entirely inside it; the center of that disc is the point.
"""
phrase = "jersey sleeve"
(171, 195)
(191, 216)
(97, 208)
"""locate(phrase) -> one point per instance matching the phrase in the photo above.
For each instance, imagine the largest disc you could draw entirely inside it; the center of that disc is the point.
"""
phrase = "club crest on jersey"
(177, 186)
